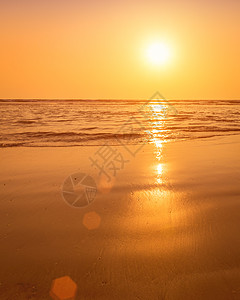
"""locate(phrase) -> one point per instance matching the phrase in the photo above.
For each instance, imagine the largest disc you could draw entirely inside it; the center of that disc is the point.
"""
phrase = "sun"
(158, 53)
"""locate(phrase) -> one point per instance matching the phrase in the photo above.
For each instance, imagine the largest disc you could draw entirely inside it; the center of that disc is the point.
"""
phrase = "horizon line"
(117, 99)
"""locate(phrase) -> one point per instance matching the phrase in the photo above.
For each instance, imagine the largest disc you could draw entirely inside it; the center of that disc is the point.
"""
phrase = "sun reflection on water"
(158, 140)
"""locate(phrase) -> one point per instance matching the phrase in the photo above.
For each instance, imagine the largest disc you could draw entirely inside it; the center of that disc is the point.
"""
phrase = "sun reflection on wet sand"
(159, 179)
(160, 169)
(158, 143)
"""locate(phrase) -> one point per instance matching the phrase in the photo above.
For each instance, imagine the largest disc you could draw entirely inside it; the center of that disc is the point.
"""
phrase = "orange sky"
(96, 49)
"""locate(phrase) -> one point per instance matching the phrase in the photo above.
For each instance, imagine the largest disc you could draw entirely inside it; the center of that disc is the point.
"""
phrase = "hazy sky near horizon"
(97, 49)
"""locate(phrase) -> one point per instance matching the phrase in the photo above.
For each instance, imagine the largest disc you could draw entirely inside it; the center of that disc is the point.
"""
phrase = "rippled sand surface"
(166, 228)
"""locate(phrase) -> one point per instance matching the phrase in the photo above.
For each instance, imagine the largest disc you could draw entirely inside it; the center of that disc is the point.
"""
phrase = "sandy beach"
(166, 228)
(119, 150)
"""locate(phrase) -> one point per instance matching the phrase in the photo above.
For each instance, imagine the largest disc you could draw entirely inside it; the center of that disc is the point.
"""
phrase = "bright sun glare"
(158, 53)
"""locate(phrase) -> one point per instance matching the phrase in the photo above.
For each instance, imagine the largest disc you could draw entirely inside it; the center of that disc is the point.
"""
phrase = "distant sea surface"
(57, 123)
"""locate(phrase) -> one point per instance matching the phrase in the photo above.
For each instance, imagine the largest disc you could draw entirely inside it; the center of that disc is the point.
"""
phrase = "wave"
(48, 123)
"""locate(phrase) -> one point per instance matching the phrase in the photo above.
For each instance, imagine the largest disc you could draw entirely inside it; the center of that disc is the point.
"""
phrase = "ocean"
(59, 123)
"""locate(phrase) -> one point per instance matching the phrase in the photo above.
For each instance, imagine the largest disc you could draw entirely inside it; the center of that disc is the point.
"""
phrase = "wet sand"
(166, 228)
